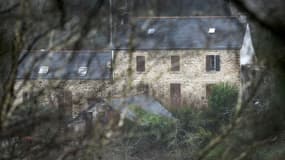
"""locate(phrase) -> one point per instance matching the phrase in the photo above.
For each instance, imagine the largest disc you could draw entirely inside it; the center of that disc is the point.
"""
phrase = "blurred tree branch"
(10, 9)
(240, 107)
(277, 30)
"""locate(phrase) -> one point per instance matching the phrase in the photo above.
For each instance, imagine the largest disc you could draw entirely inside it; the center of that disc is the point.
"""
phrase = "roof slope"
(181, 33)
(179, 7)
(65, 65)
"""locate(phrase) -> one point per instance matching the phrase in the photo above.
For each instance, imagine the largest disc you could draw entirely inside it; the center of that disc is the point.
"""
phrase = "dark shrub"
(221, 104)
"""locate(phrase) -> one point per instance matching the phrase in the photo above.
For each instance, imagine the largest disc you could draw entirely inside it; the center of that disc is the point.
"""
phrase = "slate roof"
(181, 33)
(65, 65)
(180, 7)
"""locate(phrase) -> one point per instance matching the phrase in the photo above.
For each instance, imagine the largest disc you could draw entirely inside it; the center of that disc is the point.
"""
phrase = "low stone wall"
(46, 92)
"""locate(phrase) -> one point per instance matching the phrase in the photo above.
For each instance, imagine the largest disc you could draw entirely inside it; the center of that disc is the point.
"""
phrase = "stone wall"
(192, 76)
(46, 91)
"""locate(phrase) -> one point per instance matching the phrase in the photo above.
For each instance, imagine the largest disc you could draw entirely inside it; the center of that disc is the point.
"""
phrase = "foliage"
(186, 132)
(150, 125)
(192, 128)
(150, 119)
(192, 125)
(221, 104)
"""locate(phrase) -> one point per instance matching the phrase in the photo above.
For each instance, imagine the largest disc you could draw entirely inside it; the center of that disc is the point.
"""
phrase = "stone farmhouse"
(178, 59)
(174, 59)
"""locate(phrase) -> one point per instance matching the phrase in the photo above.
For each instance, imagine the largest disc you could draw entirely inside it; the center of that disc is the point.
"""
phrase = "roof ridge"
(67, 51)
(182, 17)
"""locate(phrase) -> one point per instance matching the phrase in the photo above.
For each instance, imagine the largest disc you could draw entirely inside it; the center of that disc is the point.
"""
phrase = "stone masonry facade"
(192, 75)
(73, 93)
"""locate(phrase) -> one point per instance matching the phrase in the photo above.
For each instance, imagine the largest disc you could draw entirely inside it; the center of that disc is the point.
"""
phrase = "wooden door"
(65, 103)
(175, 94)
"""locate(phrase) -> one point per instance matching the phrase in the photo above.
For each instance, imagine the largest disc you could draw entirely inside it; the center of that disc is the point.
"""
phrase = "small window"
(109, 64)
(175, 63)
(140, 63)
(212, 63)
(143, 88)
(151, 31)
(25, 96)
(43, 70)
(212, 30)
(124, 18)
(64, 98)
(209, 88)
(82, 71)
(31, 98)
(175, 94)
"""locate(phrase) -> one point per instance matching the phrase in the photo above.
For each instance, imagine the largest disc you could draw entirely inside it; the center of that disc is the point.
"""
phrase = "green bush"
(186, 130)
(151, 127)
(192, 128)
(145, 118)
(221, 104)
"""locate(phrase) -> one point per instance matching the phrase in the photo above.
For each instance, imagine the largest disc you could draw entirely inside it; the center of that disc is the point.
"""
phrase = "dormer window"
(82, 71)
(108, 64)
(43, 70)
(212, 30)
(150, 31)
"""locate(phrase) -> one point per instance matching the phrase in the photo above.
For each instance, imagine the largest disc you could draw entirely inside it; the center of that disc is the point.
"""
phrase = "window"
(140, 63)
(175, 94)
(175, 63)
(209, 88)
(25, 96)
(30, 98)
(124, 18)
(212, 63)
(64, 99)
(151, 31)
(212, 30)
(143, 89)
(82, 71)
(43, 70)
(109, 64)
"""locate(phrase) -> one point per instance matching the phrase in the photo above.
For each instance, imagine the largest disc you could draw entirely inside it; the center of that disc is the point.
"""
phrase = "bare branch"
(10, 9)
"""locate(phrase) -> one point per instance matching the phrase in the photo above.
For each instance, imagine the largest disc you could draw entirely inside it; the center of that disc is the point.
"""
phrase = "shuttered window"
(143, 88)
(64, 98)
(175, 63)
(140, 63)
(213, 63)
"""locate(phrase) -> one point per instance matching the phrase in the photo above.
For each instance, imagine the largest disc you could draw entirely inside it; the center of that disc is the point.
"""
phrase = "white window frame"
(43, 70)
(82, 71)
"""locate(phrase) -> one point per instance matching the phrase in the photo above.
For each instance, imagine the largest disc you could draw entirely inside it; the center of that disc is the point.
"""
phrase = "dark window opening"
(209, 89)
(64, 98)
(175, 94)
(143, 89)
(175, 63)
(140, 63)
(31, 98)
(213, 63)
(25, 96)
